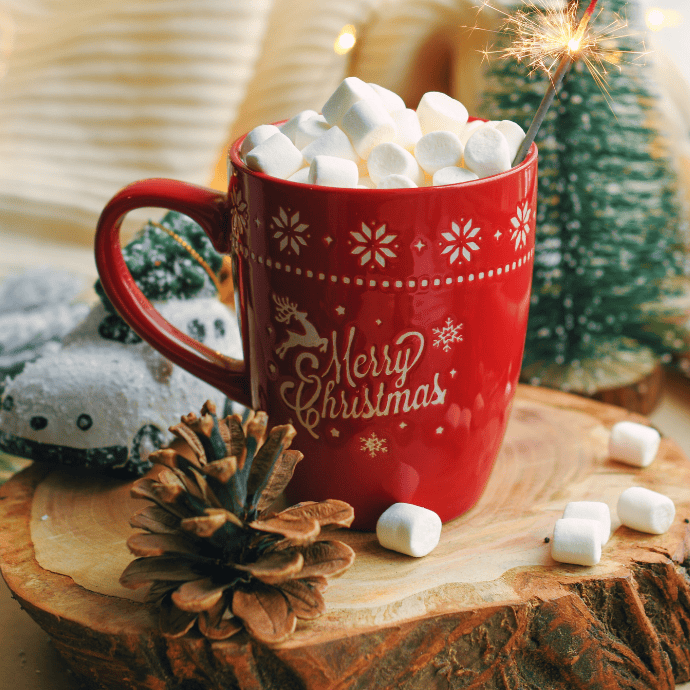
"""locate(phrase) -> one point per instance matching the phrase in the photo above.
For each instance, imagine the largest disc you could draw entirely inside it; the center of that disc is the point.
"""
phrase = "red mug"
(387, 326)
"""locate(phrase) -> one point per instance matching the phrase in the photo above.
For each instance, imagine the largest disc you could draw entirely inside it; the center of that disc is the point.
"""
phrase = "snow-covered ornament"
(104, 399)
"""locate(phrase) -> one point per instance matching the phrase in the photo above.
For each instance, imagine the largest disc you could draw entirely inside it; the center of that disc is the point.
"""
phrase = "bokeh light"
(657, 18)
(346, 39)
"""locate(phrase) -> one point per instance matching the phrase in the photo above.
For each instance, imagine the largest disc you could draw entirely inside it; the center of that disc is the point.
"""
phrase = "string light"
(346, 39)
(658, 19)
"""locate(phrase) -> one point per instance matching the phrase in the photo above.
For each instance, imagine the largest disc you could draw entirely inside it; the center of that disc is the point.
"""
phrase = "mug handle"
(210, 210)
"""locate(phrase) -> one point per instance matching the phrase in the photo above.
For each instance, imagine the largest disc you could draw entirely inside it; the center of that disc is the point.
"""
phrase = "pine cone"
(212, 552)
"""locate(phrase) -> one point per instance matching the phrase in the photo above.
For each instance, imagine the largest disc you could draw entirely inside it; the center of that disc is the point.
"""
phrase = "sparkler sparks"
(544, 34)
(550, 38)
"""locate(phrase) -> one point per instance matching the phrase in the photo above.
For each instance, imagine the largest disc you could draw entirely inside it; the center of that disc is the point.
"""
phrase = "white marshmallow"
(645, 510)
(257, 136)
(333, 142)
(634, 444)
(576, 541)
(277, 156)
(487, 152)
(409, 529)
(392, 159)
(368, 124)
(437, 150)
(408, 130)
(308, 130)
(329, 171)
(391, 101)
(470, 128)
(591, 510)
(513, 133)
(396, 182)
(439, 112)
(288, 128)
(452, 175)
(301, 176)
(349, 91)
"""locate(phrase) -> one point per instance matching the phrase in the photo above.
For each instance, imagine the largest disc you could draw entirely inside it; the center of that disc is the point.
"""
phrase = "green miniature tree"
(608, 220)
(164, 268)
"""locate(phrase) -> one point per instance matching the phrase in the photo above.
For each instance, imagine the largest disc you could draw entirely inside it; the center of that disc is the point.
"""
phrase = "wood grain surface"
(488, 608)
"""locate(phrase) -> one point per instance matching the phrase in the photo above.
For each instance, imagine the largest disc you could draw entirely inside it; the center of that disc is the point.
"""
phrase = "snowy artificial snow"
(106, 404)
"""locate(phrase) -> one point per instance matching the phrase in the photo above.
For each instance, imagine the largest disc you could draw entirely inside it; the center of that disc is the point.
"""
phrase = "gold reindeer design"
(286, 311)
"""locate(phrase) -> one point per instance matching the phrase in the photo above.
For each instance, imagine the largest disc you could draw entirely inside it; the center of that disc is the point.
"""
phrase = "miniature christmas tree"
(608, 219)
(173, 259)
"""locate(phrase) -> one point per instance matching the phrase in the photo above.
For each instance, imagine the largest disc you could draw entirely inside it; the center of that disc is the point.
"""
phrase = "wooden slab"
(487, 609)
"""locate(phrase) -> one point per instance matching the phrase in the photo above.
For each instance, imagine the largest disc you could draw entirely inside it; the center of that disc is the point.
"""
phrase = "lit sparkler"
(551, 40)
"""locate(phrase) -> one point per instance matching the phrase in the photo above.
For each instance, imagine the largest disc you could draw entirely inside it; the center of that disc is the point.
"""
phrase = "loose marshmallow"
(576, 541)
(333, 142)
(396, 182)
(452, 175)
(487, 152)
(409, 529)
(301, 176)
(277, 156)
(470, 128)
(439, 112)
(350, 90)
(437, 150)
(409, 131)
(308, 130)
(329, 171)
(633, 443)
(591, 510)
(513, 133)
(391, 101)
(257, 136)
(368, 124)
(645, 510)
(288, 128)
(392, 159)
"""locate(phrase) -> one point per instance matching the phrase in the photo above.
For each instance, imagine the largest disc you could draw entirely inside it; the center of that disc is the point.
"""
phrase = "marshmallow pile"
(586, 525)
(583, 529)
(365, 137)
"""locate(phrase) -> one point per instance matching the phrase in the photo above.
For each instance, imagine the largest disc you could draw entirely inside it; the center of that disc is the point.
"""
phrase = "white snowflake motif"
(373, 445)
(373, 245)
(520, 223)
(238, 211)
(447, 335)
(460, 241)
(289, 231)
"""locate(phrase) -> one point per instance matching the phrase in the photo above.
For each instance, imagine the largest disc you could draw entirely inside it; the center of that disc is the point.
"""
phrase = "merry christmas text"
(372, 383)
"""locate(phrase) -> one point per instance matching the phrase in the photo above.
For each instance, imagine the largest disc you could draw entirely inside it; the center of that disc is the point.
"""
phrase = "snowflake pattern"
(461, 241)
(238, 211)
(373, 445)
(373, 245)
(448, 334)
(520, 223)
(289, 231)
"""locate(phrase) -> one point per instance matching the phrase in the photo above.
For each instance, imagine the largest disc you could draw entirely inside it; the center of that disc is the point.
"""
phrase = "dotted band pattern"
(384, 283)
